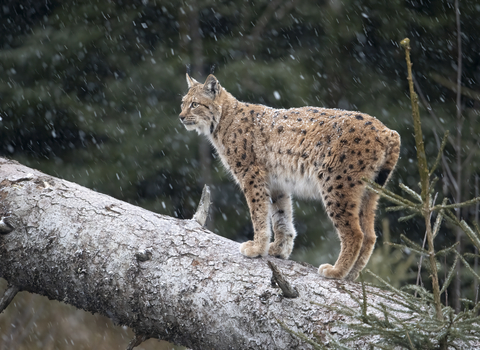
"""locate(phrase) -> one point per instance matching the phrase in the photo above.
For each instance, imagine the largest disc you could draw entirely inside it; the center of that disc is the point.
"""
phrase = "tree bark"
(163, 277)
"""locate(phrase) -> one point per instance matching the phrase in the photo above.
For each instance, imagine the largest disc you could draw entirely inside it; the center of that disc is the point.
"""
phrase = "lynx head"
(201, 109)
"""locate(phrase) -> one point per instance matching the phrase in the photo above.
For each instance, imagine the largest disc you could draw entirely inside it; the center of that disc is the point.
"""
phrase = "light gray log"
(163, 277)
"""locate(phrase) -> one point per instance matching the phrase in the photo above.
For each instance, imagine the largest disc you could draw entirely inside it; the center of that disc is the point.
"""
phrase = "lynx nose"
(182, 117)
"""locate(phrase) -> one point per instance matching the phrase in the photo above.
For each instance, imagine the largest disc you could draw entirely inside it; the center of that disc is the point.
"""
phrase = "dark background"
(90, 92)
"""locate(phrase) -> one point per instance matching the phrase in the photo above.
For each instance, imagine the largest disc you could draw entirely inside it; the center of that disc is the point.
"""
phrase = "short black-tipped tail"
(391, 157)
(382, 176)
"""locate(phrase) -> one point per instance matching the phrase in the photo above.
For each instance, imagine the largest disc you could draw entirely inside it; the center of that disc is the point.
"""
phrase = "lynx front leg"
(282, 222)
(258, 200)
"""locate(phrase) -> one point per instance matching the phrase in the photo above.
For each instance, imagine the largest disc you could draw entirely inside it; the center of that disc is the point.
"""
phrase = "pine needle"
(450, 275)
(410, 192)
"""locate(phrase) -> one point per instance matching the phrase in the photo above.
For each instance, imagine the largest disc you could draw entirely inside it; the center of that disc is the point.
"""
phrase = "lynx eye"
(194, 105)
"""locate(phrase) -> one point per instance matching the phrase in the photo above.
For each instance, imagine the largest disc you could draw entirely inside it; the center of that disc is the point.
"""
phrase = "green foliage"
(409, 322)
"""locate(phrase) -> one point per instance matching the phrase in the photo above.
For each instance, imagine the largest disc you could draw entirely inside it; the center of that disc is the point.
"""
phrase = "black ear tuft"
(211, 86)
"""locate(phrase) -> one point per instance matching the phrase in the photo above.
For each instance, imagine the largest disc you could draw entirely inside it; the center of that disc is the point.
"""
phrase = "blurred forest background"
(90, 92)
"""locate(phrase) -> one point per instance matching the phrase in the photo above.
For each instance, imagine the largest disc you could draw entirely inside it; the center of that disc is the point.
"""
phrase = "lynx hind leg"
(367, 224)
(369, 205)
(342, 201)
(282, 224)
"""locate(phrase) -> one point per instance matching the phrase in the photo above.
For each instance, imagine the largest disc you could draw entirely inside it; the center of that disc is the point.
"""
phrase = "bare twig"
(459, 97)
(425, 184)
(282, 283)
(423, 247)
(8, 297)
(474, 95)
(421, 156)
(440, 152)
(451, 182)
(458, 149)
(197, 56)
(446, 289)
(5, 226)
(261, 23)
(475, 261)
(428, 107)
(271, 9)
(136, 341)
(469, 157)
(201, 214)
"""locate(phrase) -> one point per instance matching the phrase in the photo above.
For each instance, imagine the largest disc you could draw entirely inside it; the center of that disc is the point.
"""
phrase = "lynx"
(309, 152)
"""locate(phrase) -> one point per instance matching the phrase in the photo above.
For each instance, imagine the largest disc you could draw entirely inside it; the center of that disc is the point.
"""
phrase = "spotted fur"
(308, 152)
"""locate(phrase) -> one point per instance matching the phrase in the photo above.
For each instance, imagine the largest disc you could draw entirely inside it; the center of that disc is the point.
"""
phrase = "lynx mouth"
(188, 123)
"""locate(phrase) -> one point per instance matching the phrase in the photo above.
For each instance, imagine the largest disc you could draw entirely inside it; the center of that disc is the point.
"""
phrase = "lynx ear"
(211, 86)
(191, 82)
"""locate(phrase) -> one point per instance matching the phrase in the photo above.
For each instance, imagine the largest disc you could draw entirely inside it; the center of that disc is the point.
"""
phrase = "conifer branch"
(413, 244)
(397, 208)
(451, 274)
(471, 255)
(421, 291)
(438, 221)
(401, 246)
(440, 153)
(432, 185)
(407, 217)
(451, 218)
(457, 205)
(473, 237)
(467, 265)
(410, 192)
(394, 198)
(302, 336)
(447, 250)
(386, 284)
(364, 297)
(409, 341)
(475, 224)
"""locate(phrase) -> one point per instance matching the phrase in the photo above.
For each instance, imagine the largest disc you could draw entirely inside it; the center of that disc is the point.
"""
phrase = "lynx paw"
(328, 271)
(251, 250)
(279, 251)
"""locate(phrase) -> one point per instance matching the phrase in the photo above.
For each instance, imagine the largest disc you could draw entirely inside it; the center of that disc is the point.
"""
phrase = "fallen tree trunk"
(163, 277)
